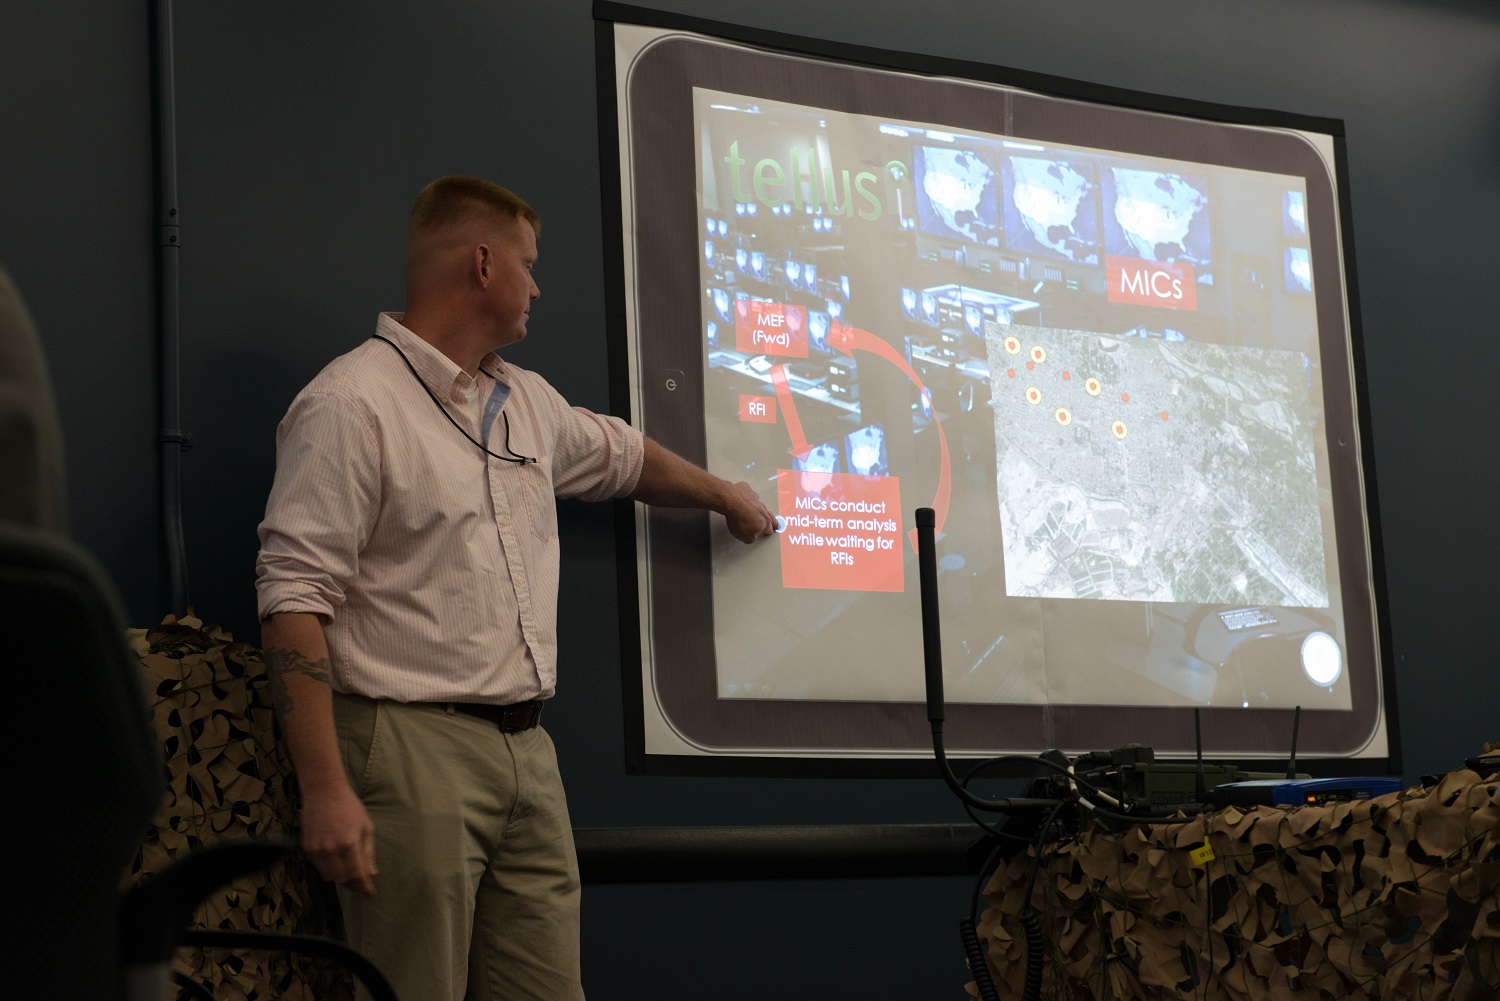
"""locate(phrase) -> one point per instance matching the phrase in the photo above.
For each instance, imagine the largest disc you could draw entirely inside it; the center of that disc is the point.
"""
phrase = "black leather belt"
(510, 719)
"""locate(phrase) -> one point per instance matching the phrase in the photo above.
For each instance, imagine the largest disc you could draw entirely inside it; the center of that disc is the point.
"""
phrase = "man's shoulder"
(527, 380)
(356, 372)
(349, 386)
(358, 377)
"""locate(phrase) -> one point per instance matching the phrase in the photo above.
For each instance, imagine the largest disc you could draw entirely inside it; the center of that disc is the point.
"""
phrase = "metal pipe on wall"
(687, 854)
(172, 441)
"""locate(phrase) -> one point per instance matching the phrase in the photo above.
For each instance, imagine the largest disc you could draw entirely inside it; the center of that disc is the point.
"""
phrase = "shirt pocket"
(538, 505)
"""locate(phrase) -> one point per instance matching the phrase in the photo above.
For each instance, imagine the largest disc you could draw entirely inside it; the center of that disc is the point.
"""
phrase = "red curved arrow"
(789, 411)
(850, 339)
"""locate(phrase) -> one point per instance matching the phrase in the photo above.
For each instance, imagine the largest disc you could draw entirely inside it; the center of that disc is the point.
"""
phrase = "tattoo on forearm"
(282, 663)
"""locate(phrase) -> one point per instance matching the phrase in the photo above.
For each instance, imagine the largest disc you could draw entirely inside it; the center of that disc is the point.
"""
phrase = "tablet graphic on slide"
(1086, 334)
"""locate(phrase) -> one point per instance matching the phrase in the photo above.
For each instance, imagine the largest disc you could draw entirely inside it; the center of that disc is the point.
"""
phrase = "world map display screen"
(1111, 356)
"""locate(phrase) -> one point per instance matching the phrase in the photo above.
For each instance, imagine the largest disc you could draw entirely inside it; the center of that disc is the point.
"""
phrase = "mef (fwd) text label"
(770, 328)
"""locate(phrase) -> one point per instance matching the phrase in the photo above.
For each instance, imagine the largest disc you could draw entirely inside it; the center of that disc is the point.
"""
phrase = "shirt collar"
(439, 373)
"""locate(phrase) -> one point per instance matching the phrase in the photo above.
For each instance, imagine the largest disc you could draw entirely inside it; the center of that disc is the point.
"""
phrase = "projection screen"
(1106, 336)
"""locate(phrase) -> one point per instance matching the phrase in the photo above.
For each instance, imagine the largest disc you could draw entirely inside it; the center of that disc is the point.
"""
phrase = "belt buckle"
(517, 719)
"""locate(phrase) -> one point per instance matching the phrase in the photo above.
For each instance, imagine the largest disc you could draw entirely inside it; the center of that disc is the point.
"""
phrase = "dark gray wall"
(75, 235)
(305, 130)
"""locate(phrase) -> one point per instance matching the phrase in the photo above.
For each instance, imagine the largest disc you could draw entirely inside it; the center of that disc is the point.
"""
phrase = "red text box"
(1150, 283)
(840, 531)
(758, 409)
(770, 328)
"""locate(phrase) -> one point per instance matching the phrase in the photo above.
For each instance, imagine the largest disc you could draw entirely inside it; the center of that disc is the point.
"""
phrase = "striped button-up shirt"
(434, 566)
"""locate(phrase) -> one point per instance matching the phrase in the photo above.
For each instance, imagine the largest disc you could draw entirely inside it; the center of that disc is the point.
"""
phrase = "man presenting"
(407, 585)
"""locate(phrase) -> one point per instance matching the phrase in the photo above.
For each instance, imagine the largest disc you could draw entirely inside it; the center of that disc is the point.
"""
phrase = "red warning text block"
(758, 409)
(840, 531)
(770, 328)
(1150, 283)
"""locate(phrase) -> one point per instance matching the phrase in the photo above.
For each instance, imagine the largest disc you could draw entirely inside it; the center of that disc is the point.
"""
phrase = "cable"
(1036, 859)
(1073, 784)
(978, 802)
(986, 870)
(1073, 779)
(520, 460)
(1035, 953)
(1129, 819)
(979, 967)
(1029, 759)
(1035, 944)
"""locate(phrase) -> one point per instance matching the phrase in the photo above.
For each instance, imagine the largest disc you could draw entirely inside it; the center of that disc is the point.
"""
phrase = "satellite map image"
(957, 195)
(1157, 216)
(1052, 208)
(1145, 470)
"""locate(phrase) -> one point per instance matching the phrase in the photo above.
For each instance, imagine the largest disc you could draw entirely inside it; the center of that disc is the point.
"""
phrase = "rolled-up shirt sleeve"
(323, 505)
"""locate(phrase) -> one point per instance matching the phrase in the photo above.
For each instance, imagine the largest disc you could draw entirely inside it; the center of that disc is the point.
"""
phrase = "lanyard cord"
(519, 459)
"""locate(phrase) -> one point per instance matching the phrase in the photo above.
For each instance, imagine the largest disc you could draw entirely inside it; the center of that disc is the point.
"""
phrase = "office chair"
(84, 764)
(31, 480)
(85, 769)
(154, 918)
(87, 777)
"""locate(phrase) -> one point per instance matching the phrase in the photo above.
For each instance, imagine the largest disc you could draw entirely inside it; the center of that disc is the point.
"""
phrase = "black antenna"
(1202, 787)
(932, 650)
(932, 644)
(1291, 766)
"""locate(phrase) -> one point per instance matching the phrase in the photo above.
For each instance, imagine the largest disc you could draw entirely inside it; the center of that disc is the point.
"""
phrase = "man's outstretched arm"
(668, 480)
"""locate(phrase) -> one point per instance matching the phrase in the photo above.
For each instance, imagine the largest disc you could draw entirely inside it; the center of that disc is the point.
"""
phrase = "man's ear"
(482, 263)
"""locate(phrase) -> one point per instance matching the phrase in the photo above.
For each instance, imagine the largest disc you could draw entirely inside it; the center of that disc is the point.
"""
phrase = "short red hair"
(454, 199)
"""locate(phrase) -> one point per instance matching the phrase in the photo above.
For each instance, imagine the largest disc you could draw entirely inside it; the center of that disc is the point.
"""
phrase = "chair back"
(31, 479)
(83, 762)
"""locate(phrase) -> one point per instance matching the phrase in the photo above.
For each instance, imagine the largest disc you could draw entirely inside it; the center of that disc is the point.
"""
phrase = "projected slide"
(1106, 367)
(1174, 465)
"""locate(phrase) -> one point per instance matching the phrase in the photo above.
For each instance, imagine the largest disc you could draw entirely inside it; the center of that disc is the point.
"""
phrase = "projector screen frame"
(911, 759)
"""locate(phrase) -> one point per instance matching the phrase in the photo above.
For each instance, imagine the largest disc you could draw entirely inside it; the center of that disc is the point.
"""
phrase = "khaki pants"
(477, 890)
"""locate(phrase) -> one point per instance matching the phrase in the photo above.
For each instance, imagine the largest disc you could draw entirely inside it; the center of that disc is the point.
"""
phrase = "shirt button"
(531, 637)
(504, 521)
(520, 580)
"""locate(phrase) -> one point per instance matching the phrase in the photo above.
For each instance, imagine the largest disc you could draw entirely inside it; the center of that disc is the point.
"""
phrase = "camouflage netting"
(1391, 898)
(229, 779)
